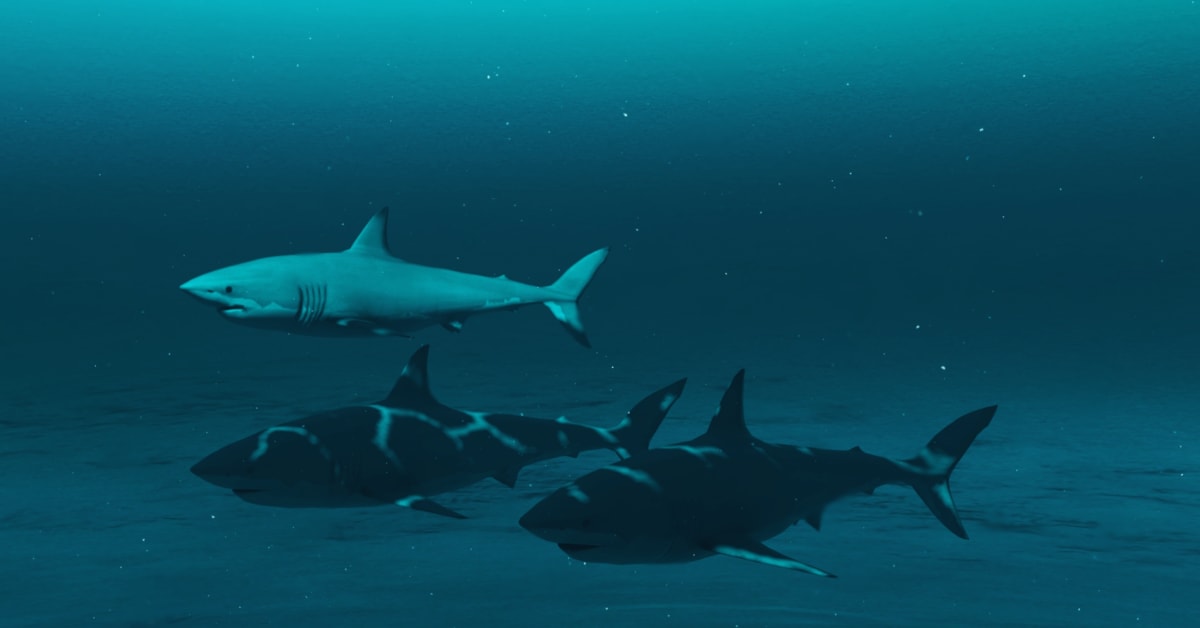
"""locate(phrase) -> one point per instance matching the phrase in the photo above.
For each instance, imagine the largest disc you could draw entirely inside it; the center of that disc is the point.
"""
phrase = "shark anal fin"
(507, 477)
(417, 502)
(754, 551)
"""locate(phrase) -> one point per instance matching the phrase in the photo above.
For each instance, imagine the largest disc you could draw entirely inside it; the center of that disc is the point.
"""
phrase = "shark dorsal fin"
(372, 240)
(730, 421)
(412, 388)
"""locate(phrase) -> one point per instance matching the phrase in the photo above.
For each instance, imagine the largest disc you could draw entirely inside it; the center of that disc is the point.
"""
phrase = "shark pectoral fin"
(507, 477)
(759, 553)
(453, 326)
(417, 502)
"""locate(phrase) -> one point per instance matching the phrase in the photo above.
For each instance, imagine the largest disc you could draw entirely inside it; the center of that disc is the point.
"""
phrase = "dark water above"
(890, 214)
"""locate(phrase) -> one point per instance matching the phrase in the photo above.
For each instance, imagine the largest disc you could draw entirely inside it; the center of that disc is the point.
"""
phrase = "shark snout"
(213, 471)
(227, 467)
(200, 289)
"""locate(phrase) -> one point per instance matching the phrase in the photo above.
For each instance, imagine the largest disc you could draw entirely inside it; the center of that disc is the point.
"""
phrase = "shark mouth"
(231, 308)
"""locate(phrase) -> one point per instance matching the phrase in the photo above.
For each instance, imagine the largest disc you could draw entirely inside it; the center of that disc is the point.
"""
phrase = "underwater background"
(889, 213)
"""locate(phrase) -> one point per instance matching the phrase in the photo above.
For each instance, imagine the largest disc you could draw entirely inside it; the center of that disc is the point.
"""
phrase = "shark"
(408, 447)
(727, 492)
(365, 290)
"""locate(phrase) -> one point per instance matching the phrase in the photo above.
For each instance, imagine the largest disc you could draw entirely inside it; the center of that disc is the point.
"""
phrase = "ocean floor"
(1079, 503)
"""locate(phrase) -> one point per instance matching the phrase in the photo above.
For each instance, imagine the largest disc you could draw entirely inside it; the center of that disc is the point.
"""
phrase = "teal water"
(882, 210)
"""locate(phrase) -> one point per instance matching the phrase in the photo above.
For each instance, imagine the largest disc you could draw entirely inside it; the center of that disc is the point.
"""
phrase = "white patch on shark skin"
(607, 435)
(394, 413)
(576, 493)
(495, 303)
(935, 461)
(774, 561)
(383, 431)
(705, 454)
(407, 502)
(264, 441)
(667, 402)
(563, 441)
(639, 477)
(763, 452)
(479, 423)
(942, 489)
(931, 463)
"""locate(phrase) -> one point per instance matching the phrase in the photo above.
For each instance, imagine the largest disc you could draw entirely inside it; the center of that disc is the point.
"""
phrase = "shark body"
(408, 447)
(367, 291)
(726, 492)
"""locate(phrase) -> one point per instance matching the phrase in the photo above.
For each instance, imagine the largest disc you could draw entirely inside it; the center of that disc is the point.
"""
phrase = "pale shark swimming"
(367, 291)
(727, 492)
(408, 447)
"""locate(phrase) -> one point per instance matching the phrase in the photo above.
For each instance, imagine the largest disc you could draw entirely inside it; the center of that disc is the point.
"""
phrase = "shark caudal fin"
(933, 465)
(572, 284)
(634, 432)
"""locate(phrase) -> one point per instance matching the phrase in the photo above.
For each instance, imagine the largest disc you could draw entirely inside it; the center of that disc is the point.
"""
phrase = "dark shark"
(408, 447)
(727, 492)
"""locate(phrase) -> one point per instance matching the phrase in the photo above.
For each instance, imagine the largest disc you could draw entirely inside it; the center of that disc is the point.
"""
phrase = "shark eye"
(228, 289)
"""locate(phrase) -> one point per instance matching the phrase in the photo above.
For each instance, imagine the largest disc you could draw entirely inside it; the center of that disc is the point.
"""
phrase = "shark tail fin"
(571, 285)
(634, 432)
(937, 460)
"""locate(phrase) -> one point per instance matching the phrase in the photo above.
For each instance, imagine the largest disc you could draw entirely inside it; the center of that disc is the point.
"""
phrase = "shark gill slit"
(312, 304)
(300, 305)
(324, 288)
(309, 304)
